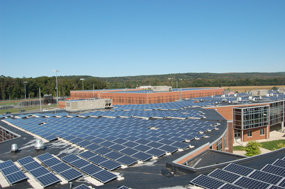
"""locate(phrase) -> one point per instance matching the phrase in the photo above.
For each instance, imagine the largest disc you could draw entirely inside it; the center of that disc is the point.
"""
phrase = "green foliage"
(252, 148)
(273, 145)
(274, 88)
(13, 88)
(239, 148)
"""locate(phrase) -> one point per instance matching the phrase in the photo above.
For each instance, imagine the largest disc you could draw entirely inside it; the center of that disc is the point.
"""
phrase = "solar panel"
(238, 169)
(279, 162)
(103, 150)
(87, 154)
(206, 182)
(126, 160)
(113, 155)
(31, 166)
(282, 184)
(97, 159)
(168, 148)
(79, 163)
(48, 179)
(230, 186)
(10, 169)
(70, 158)
(52, 161)
(142, 148)
(39, 172)
(104, 176)
(251, 183)
(91, 169)
(117, 147)
(156, 152)
(93, 147)
(180, 145)
(81, 186)
(142, 156)
(129, 151)
(274, 170)
(224, 175)
(6, 164)
(123, 187)
(71, 174)
(26, 160)
(130, 144)
(265, 177)
(60, 167)
(110, 165)
(16, 177)
(44, 157)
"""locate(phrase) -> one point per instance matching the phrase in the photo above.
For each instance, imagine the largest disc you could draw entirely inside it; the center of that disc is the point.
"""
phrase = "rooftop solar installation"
(81, 186)
(104, 176)
(11, 172)
(238, 169)
(207, 182)
(274, 170)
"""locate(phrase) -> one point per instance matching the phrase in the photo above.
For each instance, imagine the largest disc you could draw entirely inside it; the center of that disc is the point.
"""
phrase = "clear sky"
(106, 38)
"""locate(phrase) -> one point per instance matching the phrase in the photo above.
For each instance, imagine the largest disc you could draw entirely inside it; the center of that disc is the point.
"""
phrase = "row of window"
(262, 132)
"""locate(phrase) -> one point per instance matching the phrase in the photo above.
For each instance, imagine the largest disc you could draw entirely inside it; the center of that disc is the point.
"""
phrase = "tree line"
(14, 88)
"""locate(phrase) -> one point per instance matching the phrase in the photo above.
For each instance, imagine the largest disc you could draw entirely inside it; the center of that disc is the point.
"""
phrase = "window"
(249, 133)
(262, 132)
(220, 145)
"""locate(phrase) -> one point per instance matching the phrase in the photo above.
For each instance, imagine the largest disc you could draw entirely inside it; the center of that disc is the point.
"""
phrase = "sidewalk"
(274, 135)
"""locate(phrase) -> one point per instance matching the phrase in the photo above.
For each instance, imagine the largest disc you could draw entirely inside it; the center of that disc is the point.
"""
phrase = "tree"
(252, 148)
(274, 88)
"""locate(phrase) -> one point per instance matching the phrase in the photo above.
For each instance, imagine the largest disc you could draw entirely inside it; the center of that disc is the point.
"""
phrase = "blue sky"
(132, 37)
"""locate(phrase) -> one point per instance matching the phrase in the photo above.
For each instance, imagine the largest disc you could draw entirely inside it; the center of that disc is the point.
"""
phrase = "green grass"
(28, 109)
(239, 148)
(272, 144)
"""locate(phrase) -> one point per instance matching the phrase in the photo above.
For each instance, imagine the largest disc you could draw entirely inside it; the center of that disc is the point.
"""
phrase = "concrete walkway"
(274, 135)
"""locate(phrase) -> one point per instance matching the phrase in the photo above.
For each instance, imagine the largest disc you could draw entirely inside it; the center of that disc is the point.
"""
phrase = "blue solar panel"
(169, 149)
(48, 179)
(26, 160)
(10, 169)
(6, 164)
(104, 176)
(265, 177)
(224, 175)
(70, 158)
(91, 169)
(126, 160)
(16, 177)
(156, 152)
(31, 166)
(274, 170)
(117, 147)
(114, 155)
(44, 157)
(97, 159)
(142, 156)
(52, 161)
(251, 183)
(103, 150)
(87, 154)
(206, 182)
(129, 151)
(79, 163)
(39, 172)
(110, 165)
(71, 174)
(60, 167)
(142, 148)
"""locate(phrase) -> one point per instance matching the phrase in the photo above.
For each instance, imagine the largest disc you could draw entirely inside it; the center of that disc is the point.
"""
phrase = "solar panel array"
(59, 167)
(94, 171)
(44, 176)
(11, 172)
(127, 142)
(270, 176)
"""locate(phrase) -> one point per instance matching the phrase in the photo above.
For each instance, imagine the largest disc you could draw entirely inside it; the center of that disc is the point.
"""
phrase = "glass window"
(262, 132)
(249, 133)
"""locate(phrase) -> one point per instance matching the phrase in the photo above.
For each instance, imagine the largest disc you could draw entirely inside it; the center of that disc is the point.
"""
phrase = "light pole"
(25, 82)
(56, 85)
(82, 79)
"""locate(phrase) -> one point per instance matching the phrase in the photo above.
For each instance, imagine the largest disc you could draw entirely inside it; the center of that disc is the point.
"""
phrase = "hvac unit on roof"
(39, 144)
(14, 148)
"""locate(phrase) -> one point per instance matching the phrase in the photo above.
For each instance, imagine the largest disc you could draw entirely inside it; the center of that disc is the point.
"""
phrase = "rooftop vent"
(14, 148)
(39, 144)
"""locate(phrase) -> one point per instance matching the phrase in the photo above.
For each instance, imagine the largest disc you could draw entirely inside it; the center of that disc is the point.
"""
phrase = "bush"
(252, 148)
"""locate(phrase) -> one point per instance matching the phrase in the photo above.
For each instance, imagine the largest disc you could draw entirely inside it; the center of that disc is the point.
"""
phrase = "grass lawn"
(239, 148)
(272, 144)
